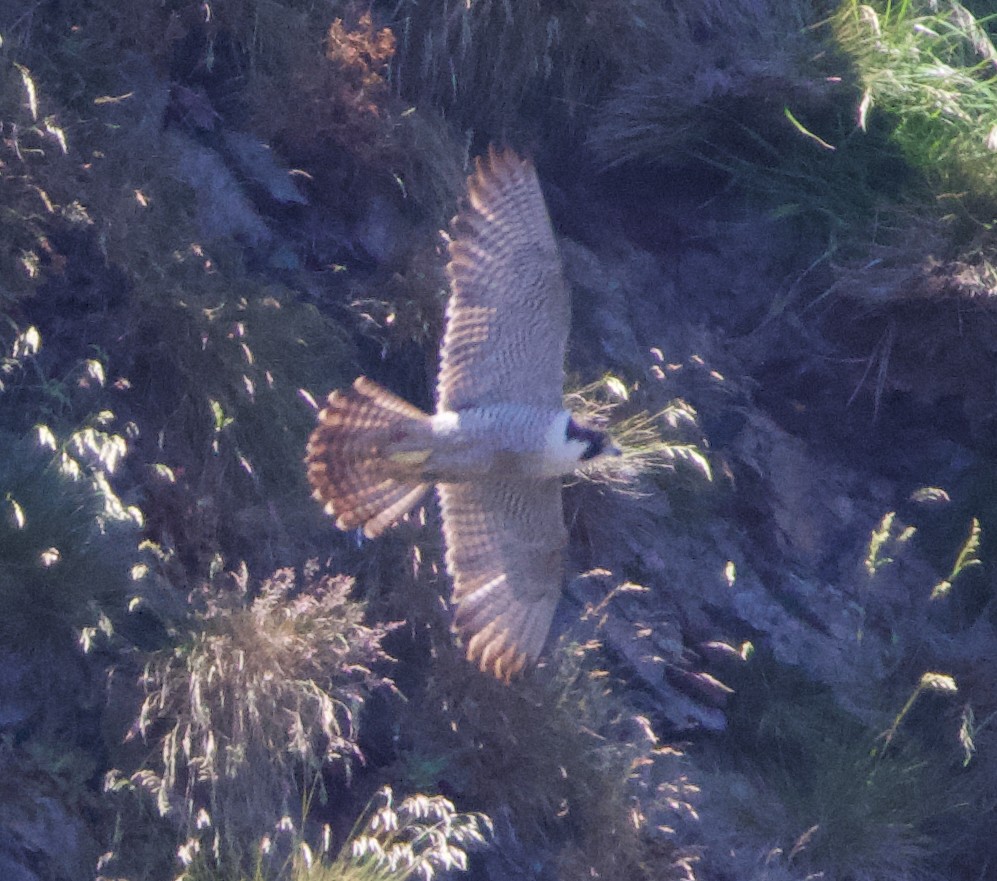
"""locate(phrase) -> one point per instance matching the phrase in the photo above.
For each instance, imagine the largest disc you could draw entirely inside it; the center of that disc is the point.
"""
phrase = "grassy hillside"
(774, 655)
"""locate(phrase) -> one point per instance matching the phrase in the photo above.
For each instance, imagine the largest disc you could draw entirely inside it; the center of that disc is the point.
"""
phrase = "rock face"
(42, 838)
(45, 706)
(772, 552)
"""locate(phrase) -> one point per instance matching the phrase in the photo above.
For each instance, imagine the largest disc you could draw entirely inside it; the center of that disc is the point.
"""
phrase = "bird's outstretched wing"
(509, 311)
(505, 541)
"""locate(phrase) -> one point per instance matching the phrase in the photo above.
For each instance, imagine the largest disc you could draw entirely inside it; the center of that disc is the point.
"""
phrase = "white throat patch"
(561, 455)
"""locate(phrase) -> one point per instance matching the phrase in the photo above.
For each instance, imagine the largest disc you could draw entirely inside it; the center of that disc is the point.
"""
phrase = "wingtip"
(506, 155)
(498, 162)
(509, 666)
(498, 653)
(362, 384)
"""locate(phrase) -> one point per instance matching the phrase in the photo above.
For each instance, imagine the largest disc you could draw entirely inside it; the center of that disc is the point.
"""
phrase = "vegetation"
(263, 694)
(697, 75)
(418, 837)
(931, 67)
(214, 213)
(639, 435)
(67, 539)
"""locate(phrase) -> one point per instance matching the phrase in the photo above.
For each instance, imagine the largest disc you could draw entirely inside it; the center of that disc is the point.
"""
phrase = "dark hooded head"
(596, 442)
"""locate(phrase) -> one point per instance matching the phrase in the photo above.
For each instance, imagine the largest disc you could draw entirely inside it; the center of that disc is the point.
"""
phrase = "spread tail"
(364, 458)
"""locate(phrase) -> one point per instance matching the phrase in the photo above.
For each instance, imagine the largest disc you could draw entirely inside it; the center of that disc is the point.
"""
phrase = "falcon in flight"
(500, 441)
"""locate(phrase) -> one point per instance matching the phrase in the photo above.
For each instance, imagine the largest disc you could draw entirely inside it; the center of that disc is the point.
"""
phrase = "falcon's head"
(593, 442)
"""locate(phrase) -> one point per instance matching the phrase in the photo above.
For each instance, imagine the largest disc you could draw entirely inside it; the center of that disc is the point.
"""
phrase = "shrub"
(215, 384)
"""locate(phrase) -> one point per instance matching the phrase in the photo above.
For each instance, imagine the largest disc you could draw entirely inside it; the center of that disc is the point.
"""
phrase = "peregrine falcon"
(500, 440)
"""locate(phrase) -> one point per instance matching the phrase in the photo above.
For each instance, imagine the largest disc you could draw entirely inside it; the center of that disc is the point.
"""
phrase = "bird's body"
(530, 442)
(500, 440)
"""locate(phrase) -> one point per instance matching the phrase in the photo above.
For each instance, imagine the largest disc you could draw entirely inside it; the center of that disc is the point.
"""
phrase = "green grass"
(836, 795)
(67, 540)
(933, 69)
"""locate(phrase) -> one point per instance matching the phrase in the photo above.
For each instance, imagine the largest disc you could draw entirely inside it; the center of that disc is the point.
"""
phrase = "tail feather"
(352, 464)
(404, 502)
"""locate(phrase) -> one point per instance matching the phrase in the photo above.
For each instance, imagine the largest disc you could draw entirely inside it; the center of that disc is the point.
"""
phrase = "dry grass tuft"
(640, 435)
(419, 836)
(37, 189)
(695, 72)
(538, 58)
(255, 702)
